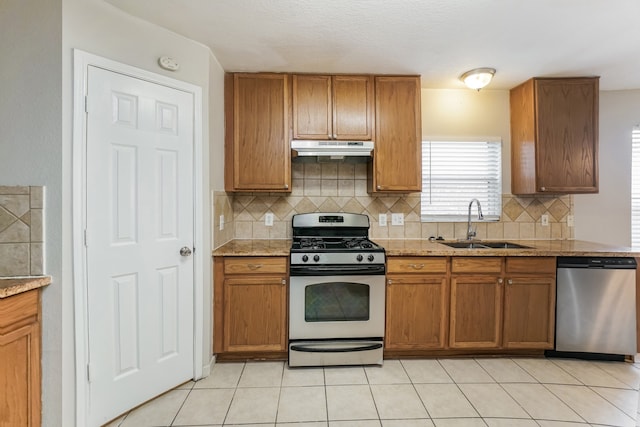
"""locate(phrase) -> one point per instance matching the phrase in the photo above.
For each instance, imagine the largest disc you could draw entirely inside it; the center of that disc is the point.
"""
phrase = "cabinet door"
(567, 135)
(257, 151)
(416, 312)
(352, 107)
(397, 160)
(255, 314)
(332, 107)
(476, 311)
(20, 376)
(312, 107)
(529, 312)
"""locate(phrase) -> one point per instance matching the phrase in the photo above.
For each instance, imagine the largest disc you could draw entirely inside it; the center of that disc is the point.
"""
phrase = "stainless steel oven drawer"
(332, 353)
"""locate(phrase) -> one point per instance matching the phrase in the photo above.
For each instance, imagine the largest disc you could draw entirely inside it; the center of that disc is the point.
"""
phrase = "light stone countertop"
(423, 247)
(254, 247)
(10, 286)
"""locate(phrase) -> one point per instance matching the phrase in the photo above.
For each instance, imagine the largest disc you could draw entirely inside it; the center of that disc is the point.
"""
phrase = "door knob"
(185, 251)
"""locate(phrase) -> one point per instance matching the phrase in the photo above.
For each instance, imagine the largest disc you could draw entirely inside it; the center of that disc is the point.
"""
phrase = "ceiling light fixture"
(478, 77)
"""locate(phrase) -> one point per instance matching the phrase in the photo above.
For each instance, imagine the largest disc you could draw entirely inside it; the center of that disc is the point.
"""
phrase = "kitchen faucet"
(471, 233)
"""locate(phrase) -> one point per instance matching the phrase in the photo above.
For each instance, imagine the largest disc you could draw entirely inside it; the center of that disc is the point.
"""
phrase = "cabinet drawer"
(535, 265)
(417, 265)
(18, 307)
(476, 264)
(255, 265)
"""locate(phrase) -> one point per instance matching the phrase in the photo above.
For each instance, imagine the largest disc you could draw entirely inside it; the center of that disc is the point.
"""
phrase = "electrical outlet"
(382, 220)
(397, 219)
(268, 219)
(544, 220)
(569, 220)
(221, 222)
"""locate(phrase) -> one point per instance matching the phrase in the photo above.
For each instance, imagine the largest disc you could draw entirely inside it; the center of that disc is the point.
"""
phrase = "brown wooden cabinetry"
(250, 311)
(554, 136)
(529, 302)
(257, 133)
(476, 302)
(417, 303)
(397, 159)
(332, 107)
(20, 359)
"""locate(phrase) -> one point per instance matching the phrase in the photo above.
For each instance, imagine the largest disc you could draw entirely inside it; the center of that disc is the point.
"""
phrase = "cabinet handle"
(254, 266)
(379, 187)
(284, 281)
(500, 281)
(543, 188)
(286, 186)
(389, 281)
(509, 282)
(417, 266)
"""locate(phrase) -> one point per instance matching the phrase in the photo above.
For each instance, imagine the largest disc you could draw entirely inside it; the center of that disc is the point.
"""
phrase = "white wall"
(606, 217)
(99, 28)
(469, 113)
(30, 149)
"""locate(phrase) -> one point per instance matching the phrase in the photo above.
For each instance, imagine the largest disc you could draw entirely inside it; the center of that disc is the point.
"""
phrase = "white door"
(139, 216)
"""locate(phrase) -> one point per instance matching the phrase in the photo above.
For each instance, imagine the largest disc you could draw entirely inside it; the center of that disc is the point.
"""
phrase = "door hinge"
(85, 238)
(86, 104)
(89, 372)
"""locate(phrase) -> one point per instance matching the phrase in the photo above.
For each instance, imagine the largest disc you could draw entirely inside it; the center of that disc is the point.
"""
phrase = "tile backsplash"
(342, 187)
(21, 230)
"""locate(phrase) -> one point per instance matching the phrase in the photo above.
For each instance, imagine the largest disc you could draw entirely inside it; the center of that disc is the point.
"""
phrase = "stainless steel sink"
(505, 245)
(466, 245)
(485, 245)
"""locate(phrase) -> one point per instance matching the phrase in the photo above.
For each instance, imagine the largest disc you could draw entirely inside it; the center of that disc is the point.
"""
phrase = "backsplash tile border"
(22, 230)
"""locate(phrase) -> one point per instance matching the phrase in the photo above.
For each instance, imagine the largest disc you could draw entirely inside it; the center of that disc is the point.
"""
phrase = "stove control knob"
(370, 258)
(359, 258)
(305, 258)
(316, 258)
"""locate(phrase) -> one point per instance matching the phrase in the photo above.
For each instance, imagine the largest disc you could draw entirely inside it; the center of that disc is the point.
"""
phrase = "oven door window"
(336, 302)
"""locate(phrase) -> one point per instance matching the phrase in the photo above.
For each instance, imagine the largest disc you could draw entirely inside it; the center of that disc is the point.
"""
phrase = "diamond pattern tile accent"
(558, 209)
(512, 209)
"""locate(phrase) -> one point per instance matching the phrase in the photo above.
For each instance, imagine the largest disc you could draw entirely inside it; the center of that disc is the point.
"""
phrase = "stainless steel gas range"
(336, 292)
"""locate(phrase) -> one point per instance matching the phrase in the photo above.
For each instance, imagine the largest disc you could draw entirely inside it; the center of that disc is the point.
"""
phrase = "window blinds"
(454, 172)
(635, 187)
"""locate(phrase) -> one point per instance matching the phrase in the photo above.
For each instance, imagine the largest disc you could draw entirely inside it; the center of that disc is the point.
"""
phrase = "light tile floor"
(489, 392)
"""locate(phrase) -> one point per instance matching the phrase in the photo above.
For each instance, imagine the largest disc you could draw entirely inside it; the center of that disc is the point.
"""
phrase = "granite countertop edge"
(424, 247)
(10, 286)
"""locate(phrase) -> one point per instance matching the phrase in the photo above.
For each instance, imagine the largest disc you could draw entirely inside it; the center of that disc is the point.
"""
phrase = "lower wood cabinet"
(417, 299)
(250, 305)
(472, 303)
(529, 302)
(20, 359)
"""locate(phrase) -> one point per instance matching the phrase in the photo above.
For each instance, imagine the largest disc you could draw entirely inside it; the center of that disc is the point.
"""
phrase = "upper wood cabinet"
(332, 107)
(257, 133)
(554, 136)
(397, 153)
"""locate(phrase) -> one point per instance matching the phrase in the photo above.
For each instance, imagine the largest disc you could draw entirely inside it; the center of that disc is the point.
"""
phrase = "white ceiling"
(438, 39)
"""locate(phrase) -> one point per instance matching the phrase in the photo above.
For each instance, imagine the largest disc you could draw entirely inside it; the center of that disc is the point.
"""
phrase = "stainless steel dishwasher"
(596, 306)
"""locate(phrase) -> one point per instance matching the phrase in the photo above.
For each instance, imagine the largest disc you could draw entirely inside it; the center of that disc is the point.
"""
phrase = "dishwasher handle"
(617, 263)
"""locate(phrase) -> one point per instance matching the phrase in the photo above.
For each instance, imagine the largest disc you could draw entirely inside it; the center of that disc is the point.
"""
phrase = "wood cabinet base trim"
(246, 356)
(397, 354)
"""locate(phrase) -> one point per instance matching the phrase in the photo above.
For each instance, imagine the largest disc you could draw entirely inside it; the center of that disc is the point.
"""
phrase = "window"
(454, 172)
(635, 187)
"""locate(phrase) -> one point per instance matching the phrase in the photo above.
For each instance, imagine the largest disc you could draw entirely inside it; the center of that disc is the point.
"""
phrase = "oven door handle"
(312, 349)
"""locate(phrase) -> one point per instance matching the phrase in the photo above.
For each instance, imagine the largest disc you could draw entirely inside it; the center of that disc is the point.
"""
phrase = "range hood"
(332, 150)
